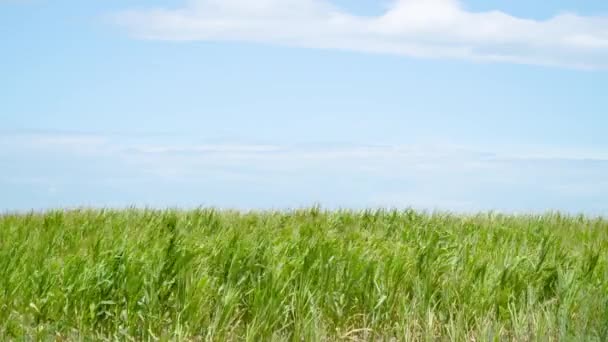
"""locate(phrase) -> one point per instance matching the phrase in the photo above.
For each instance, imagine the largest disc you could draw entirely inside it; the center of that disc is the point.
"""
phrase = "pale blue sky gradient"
(91, 115)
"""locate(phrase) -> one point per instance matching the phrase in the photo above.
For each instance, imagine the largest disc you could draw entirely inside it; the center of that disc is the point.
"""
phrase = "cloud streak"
(102, 170)
(419, 28)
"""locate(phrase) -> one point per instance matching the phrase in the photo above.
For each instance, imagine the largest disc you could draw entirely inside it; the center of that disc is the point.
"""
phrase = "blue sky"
(438, 104)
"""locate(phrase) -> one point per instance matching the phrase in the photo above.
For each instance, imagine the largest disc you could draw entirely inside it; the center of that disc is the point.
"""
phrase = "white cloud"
(95, 145)
(142, 170)
(420, 28)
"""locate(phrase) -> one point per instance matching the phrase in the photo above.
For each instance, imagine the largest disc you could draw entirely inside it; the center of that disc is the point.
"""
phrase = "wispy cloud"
(94, 145)
(98, 169)
(419, 28)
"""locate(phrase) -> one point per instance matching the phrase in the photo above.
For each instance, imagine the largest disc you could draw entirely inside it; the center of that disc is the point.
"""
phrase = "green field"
(305, 275)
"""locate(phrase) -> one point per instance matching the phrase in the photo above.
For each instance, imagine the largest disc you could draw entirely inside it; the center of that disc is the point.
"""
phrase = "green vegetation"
(302, 275)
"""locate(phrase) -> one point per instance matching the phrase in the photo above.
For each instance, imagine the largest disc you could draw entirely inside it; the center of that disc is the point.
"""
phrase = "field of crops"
(305, 275)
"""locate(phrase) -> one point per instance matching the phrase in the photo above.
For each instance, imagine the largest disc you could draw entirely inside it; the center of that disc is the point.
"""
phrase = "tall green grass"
(303, 275)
